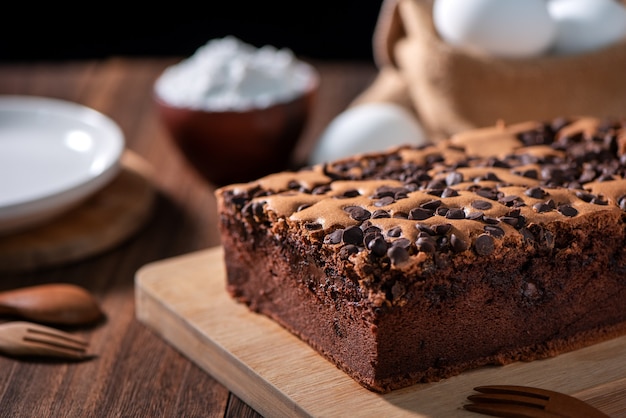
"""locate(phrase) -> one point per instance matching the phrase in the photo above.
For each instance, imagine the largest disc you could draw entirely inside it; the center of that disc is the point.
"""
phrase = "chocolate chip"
(357, 213)
(353, 235)
(568, 210)
(434, 158)
(531, 174)
(380, 213)
(369, 237)
(384, 201)
(334, 237)
(622, 203)
(546, 206)
(509, 220)
(487, 193)
(442, 229)
(384, 191)
(394, 232)
(491, 221)
(536, 192)
(448, 192)
(496, 162)
(436, 185)
(508, 200)
(431, 204)
(368, 228)
(442, 211)
(458, 245)
(312, 226)
(293, 185)
(455, 213)
(494, 231)
(585, 196)
(528, 236)
(401, 215)
(454, 178)
(475, 216)
(587, 175)
(599, 200)
(423, 228)
(378, 246)
(254, 209)
(397, 254)
(401, 242)
(351, 193)
(402, 194)
(489, 176)
(426, 244)
(419, 214)
(302, 207)
(321, 189)
(481, 205)
(484, 244)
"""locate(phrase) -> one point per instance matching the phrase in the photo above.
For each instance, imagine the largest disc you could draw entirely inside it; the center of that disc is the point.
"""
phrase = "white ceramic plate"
(53, 155)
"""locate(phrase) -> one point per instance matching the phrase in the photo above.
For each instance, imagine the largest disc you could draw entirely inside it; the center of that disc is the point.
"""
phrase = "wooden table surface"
(135, 372)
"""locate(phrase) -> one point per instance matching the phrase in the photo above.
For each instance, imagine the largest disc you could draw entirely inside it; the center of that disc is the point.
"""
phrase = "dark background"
(335, 30)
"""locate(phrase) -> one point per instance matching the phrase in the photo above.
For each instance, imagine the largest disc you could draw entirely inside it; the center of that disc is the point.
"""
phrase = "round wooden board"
(102, 221)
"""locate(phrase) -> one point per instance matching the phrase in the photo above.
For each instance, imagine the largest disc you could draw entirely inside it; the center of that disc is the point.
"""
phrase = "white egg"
(506, 28)
(368, 127)
(584, 25)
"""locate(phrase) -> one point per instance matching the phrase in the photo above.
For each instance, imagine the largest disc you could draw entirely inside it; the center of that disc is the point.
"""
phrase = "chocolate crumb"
(347, 250)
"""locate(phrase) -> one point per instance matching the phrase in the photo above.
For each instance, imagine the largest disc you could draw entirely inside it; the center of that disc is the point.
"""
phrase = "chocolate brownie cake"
(502, 244)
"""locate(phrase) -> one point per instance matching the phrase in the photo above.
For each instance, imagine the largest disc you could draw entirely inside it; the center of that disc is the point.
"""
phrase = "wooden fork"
(528, 402)
(20, 338)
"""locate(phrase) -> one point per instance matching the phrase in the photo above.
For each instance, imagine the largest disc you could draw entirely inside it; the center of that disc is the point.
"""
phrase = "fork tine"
(26, 338)
(517, 390)
(54, 337)
(551, 401)
(43, 349)
(54, 341)
(509, 411)
(529, 401)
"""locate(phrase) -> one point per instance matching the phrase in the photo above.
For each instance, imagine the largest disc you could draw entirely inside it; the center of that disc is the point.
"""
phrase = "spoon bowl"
(55, 303)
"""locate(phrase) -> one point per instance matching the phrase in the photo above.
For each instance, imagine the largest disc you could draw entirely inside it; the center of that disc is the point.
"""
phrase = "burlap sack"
(451, 90)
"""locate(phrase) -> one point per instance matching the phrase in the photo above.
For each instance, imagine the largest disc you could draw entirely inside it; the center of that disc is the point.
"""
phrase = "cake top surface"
(474, 192)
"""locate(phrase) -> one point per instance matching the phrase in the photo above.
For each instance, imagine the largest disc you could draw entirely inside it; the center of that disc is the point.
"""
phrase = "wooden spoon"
(56, 303)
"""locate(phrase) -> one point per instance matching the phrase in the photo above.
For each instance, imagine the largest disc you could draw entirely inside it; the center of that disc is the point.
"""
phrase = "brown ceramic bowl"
(238, 146)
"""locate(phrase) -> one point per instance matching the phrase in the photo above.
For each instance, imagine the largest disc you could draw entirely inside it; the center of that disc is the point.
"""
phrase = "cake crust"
(498, 245)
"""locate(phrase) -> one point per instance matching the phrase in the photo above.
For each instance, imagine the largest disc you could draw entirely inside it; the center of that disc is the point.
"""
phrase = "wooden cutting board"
(183, 299)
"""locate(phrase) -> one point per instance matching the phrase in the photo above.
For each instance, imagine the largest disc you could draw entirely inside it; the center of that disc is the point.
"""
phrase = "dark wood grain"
(136, 373)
